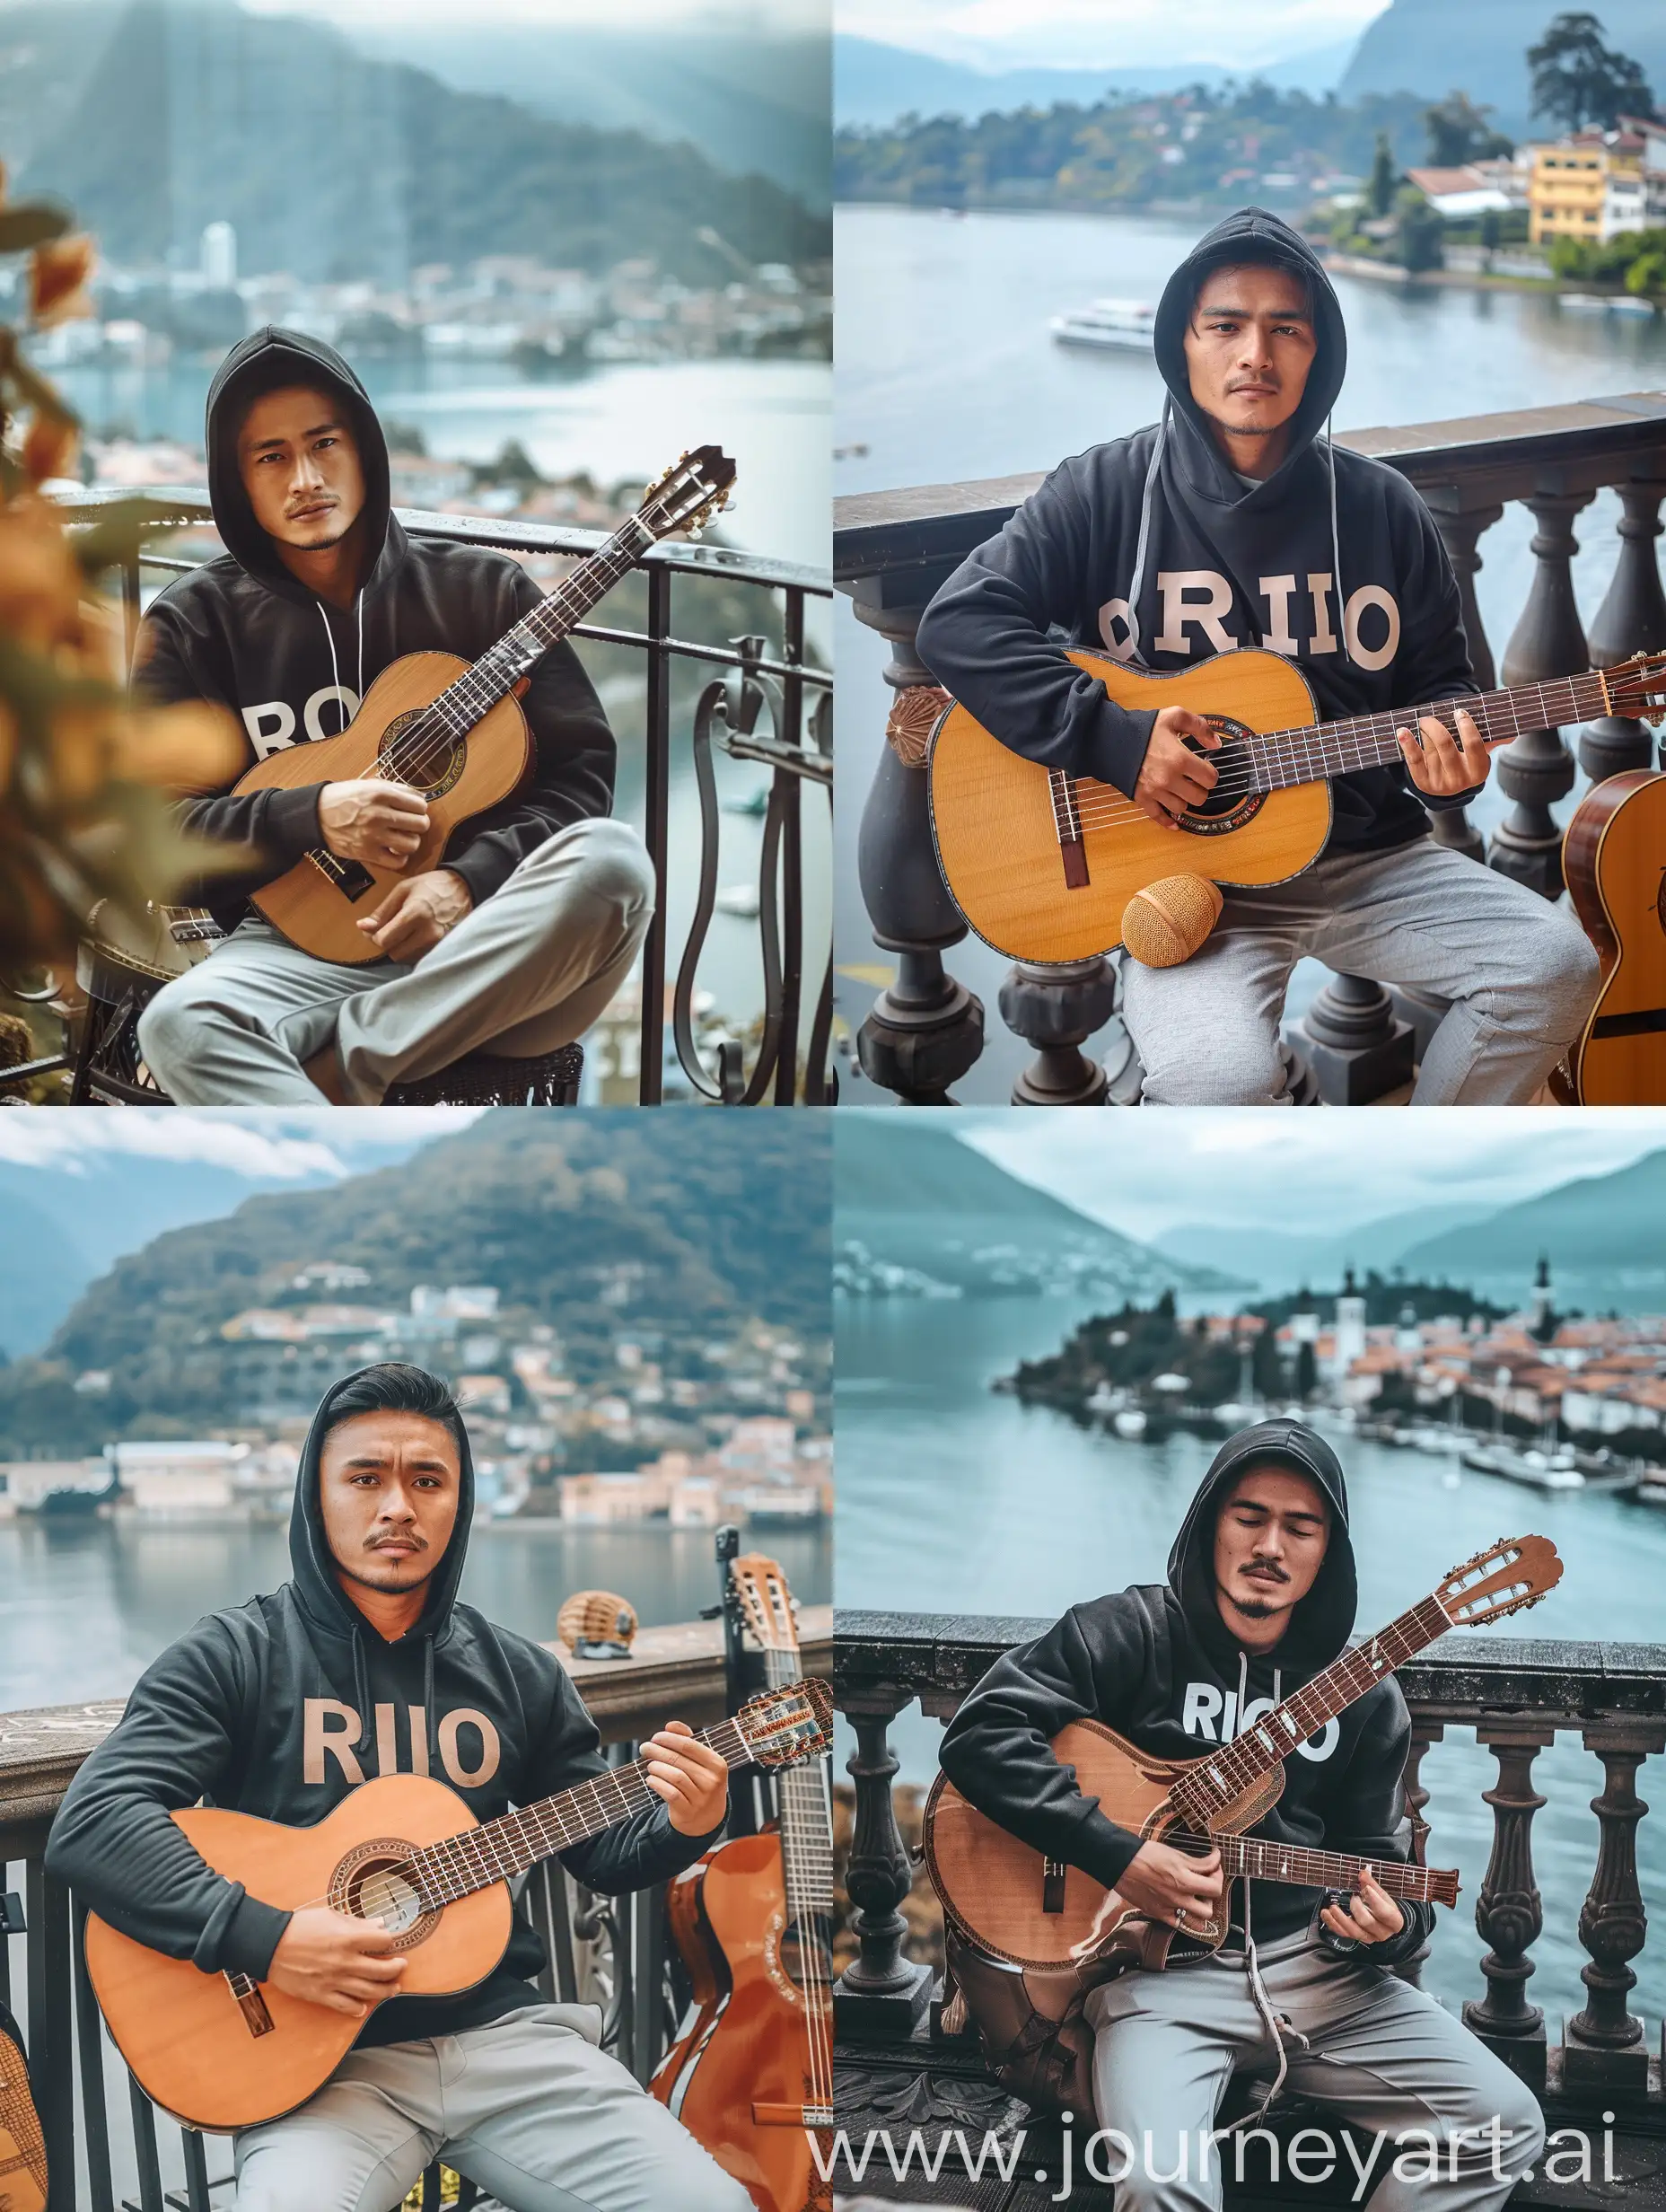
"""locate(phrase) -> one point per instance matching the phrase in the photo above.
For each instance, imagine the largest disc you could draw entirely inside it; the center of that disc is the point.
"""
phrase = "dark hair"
(393, 1386)
(1258, 256)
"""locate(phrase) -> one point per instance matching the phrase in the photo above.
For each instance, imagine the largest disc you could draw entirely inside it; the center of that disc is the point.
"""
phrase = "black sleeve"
(1365, 1818)
(113, 1842)
(985, 637)
(1434, 660)
(260, 833)
(639, 1851)
(998, 1749)
(572, 761)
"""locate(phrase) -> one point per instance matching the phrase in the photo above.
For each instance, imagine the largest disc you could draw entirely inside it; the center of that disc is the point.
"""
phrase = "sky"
(285, 1146)
(1090, 33)
(1312, 1172)
(775, 16)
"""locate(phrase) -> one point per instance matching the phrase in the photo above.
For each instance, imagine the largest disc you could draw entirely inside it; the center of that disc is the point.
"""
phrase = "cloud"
(1100, 33)
(277, 1146)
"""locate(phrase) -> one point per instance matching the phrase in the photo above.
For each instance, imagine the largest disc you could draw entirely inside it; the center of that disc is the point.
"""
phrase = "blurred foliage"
(85, 777)
(1635, 260)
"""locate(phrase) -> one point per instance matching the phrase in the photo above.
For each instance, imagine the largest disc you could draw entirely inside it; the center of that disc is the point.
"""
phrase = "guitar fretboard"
(1268, 1861)
(1213, 1785)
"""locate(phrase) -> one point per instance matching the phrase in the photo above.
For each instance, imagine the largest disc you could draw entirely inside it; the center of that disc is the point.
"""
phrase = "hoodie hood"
(1250, 234)
(1322, 1624)
(265, 362)
(314, 1566)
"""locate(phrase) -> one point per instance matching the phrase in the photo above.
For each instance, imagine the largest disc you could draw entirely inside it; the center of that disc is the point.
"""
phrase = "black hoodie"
(280, 1707)
(1157, 1663)
(243, 633)
(1211, 564)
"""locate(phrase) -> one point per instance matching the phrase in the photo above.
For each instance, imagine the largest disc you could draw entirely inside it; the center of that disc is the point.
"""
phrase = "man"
(367, 1663)
(1233, 524)
(522, 933)
(1261, 1597)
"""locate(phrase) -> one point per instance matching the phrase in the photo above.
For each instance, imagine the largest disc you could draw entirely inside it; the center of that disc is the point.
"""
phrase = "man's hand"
(1164, 1882)
(417, 913)
(690, 1776)
(1172, 777)
(331, 1958)
(1373, 1916)
(378, 824)
(1437, 766)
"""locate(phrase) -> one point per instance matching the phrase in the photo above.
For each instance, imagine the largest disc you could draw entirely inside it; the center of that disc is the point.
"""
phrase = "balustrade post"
(1509, 1913)
(1632, 619)
(880, 1996)
(1056, 1009)
(1537, 768)
(1422, 1734)
(1460, 529)
(1355, 1043)
(925, 1029)
(1602, 2045)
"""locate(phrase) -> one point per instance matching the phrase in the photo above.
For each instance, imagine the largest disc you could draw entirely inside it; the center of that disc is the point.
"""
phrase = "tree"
(1379, 191)
(1459, 132)
(1419, 244)
(1579, 80)
(1307, 1370)
(1491, 231)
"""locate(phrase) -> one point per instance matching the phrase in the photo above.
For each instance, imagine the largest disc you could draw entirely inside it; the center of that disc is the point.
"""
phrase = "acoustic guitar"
(1614, 857)
(750, 2073)
(222, 2051)
(1041, 865)
(1016, 1904)
(452, 731)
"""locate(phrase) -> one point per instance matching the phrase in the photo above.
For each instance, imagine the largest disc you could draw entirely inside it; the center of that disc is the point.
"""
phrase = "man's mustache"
(1269, 1567)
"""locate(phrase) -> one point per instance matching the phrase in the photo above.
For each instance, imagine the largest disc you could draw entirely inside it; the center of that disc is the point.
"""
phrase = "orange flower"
(193, 747)
(58, 272)
(49, 448)
(40, 585)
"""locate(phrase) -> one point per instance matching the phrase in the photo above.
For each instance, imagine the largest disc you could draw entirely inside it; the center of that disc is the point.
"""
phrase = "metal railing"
(771, 707)
(104, 2138)
(1517, 1697)
(891, 550)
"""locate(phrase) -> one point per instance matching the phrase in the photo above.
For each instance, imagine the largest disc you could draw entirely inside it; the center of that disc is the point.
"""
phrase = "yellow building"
(1589, 187)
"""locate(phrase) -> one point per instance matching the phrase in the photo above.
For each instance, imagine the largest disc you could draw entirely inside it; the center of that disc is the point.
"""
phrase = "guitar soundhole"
(377, 1881)
(807, 1935)
(1660, 901)
(442, 758)
(1229, 806)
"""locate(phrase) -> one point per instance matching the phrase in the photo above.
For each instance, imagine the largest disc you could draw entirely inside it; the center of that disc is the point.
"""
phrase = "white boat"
(1125, 326)
(1130, 1422)
(1626, 304)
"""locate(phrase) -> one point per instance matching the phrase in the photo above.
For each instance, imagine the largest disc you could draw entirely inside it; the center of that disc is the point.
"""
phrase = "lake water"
(954, 1500)
(621, 423)
(946, 371)
(85, 1605)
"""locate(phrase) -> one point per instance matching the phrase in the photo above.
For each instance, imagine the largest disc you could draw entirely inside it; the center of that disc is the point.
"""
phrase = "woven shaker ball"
(1164, 924)
(597, 1624)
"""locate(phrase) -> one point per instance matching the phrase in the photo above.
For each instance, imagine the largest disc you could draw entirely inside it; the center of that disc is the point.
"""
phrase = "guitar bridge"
(250, 2003)
(1053, 1871)
(1067, 822)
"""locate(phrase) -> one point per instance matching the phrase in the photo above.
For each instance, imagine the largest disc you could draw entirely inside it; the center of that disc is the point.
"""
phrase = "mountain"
(918, 1197)
(1602, 1234)
(35, 1295)
(714, 1219)
(873, 83)
(1430, 46)
(332, 164)
(1277, 1260)
(749, 102)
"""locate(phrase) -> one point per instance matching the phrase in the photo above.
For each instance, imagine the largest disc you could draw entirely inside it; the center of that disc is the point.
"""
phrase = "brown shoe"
(22, 2147)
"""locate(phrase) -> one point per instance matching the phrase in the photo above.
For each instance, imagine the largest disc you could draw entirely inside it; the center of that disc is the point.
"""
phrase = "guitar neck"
(1265, 1860)
(1215, 1783)
(516, 1841)
(806, 1831)
(1280, 758)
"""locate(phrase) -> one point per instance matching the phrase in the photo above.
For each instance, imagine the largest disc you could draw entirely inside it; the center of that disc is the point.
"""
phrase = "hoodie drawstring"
(1336, 543)
(1136, 652)
(361, 1693)
(335, 665)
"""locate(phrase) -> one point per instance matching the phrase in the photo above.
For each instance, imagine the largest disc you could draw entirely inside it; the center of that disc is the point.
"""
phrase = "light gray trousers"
(529, 970)
(1520, 973)
(527, 2108)
(1383, 2054)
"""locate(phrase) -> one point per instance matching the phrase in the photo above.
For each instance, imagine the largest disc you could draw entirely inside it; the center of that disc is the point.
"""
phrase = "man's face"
(1249, 348)
(388, 1489)
(1269, 1541)
(300, 465)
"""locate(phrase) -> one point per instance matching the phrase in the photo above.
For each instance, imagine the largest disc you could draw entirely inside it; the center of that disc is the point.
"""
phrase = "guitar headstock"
(1635, 689)
(689, 493)
(1443, 1886)
(765, 1602)
(1507, 1577)
(788, 1726)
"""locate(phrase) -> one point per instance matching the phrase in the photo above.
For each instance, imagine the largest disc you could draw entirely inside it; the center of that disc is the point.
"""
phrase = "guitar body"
(997, 832)
(737, 2077)
(1615, 860)
(1007, 1900)
(469, 774)
(183, 2033)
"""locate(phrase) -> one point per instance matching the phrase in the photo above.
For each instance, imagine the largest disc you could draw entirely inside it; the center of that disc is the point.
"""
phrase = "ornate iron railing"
(105, 2140)
(892, 550)
(773, 708)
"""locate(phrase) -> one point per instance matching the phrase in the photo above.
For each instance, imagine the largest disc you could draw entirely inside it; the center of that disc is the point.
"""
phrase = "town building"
(1596, 184)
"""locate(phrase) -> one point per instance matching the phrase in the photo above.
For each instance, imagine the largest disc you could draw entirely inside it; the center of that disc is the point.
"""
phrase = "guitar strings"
(808, 1871)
